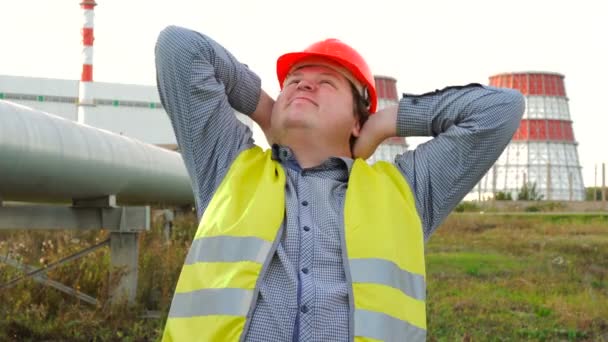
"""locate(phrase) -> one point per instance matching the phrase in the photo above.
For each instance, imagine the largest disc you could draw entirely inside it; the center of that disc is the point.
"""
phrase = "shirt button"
(304, 203)
(305, 270)
(306, 228)
(304, 309)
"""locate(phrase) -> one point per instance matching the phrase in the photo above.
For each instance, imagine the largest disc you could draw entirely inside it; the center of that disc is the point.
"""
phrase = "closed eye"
(293, 81)
(328, 82)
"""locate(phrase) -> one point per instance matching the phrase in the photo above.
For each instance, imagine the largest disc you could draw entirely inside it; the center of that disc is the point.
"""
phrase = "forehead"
(316, 68)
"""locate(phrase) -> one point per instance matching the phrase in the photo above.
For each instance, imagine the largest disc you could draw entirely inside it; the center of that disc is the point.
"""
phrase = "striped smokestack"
(85, 98)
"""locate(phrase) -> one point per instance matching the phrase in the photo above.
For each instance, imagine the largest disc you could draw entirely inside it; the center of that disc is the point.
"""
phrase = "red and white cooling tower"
(543, 150)
(386, 88)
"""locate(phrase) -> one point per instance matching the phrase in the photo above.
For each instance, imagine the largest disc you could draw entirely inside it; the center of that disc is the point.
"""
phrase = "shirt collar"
(285, 155)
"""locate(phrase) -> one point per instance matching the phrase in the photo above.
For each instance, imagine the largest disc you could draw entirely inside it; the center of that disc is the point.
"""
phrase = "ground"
(491, 277)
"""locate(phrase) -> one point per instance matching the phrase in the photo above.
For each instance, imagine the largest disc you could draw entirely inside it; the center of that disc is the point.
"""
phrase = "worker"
(306, 241)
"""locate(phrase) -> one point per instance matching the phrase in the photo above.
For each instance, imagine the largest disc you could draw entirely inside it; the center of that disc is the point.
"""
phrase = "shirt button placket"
(307, 243)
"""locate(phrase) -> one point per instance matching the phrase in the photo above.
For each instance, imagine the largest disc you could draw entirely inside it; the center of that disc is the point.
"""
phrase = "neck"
(311, 151)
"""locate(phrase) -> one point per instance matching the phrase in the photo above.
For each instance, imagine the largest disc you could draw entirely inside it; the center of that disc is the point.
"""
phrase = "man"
(306, 242)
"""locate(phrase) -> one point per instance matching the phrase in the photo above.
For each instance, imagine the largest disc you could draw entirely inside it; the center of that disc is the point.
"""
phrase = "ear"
(356, 131)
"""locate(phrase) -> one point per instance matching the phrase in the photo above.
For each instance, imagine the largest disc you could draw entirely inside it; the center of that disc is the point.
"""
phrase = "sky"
(425, 45)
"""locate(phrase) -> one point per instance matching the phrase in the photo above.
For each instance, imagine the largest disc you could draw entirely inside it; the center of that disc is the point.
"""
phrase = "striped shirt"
(303, 295)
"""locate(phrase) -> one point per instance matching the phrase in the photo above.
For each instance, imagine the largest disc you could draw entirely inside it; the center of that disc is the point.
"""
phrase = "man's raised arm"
(471, 126)
(199, 83)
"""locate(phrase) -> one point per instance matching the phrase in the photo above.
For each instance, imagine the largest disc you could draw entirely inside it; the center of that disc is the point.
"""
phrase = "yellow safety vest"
(216, 291)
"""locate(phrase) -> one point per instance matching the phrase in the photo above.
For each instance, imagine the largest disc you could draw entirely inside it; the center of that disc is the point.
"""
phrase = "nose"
(305, 84)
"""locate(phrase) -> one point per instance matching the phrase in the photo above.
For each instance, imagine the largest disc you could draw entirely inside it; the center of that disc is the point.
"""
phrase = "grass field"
(490, 278)
(519, 278)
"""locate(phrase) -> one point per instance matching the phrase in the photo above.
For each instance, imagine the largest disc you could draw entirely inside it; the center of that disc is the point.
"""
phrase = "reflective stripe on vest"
(369, 324)
(387, 273)
(234, 302)
(384, 244)
(228, 249)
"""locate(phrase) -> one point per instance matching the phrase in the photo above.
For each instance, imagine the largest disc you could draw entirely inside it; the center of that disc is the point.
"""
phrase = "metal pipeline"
(46, 158)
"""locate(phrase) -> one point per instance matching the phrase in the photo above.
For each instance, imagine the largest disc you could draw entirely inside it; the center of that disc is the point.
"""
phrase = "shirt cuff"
(414, 116)
(246, 94)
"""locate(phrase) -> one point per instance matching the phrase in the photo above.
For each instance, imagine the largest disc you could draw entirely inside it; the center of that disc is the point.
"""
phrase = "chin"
(297, 121)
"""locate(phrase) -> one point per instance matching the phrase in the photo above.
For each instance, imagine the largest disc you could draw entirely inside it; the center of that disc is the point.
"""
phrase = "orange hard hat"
(338, 52)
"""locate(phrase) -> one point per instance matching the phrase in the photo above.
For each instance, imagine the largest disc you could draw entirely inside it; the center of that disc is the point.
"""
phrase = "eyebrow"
(333, 74)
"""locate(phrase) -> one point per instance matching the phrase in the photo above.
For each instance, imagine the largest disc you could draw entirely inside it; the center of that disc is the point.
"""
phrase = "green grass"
(490, 278)
(510, 278)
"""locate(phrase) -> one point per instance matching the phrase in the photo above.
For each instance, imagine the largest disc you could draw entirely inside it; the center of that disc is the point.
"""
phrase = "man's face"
(318, 99)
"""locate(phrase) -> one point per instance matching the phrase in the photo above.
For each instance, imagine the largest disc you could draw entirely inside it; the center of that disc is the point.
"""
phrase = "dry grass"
(33, 312)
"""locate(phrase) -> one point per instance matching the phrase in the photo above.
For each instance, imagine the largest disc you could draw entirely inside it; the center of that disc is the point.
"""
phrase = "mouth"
(302, 99)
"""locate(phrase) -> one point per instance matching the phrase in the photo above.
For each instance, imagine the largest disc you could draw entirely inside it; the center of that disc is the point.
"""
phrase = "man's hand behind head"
(379, 127)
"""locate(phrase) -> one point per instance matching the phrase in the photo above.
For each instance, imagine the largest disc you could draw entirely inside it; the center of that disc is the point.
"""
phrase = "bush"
(467, 207)
(528, 192)
(554, 206)
(503, 196)
(546, 206)
(593, 193)
(532, 209)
